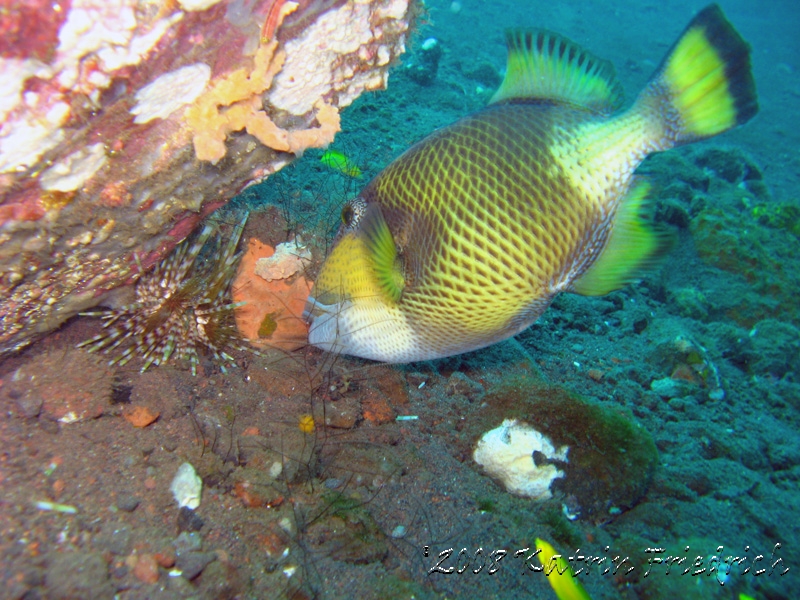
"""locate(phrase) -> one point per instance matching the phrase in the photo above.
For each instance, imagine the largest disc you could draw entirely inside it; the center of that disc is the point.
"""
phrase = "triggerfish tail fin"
(559, 573)
(634, 247)
(705, 85)
(545, 65)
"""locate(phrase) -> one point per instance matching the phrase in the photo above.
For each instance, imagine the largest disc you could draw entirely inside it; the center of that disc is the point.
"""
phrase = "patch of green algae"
(611, 457)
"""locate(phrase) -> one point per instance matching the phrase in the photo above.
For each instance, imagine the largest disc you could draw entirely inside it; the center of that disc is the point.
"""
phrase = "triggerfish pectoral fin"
(635, 246)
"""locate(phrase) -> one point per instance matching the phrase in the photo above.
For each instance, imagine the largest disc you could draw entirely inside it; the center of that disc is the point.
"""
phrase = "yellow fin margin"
(634, 246)
(545, 65)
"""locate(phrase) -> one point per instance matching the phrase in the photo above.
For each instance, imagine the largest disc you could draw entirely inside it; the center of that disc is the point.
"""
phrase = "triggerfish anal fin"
(545, 65)
(382, 249)
(634, 246)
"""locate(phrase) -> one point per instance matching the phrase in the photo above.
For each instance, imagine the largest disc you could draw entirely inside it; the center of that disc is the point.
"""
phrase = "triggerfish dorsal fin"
(635, 246)
(382, 252)
(545, 65)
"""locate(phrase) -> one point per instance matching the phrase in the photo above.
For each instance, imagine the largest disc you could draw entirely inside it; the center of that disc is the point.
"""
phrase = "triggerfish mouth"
(466, 238)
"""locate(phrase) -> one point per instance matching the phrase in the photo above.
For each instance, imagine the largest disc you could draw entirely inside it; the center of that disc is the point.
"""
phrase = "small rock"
(114, 537)
(165, 558)
(127, 503)
(66, 385)
(30, 405)
(376, 408)
(188, 520)
(677, 404)
(187, 542)
(119, 572)
(595, 374)
(140, 416)
(670, 388)
(191, 564)
(639, 325)
(458, 383)
(343, 414)
(146, 569)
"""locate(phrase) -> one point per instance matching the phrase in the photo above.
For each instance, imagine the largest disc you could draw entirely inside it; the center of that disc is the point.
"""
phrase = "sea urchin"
(182, 306)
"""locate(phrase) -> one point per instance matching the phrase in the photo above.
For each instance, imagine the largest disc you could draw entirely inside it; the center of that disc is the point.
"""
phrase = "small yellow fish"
(340, 162)
(466, 238)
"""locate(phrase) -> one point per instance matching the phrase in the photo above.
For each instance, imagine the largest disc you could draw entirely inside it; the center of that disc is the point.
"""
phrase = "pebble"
(670, 388)
(189, 520)
(30, 405)
(127, 503)
(191, 564)
(458, 383)
(187, 542)
(146, 568)
(678, 404)
(115, 537)
(399, 531)
(140, 416)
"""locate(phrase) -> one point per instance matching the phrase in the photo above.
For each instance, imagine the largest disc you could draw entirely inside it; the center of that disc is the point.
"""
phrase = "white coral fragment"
(187, 486)
(506, 453)
(170, 92)
(289, 259)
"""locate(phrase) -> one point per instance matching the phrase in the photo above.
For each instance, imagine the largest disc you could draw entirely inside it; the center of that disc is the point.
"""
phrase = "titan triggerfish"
(465, 239)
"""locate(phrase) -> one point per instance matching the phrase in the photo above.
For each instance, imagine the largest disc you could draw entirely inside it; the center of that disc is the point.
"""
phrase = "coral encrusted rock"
(123, 123)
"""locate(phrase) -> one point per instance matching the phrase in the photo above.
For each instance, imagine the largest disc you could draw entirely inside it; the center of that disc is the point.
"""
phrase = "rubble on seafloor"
(123, 124)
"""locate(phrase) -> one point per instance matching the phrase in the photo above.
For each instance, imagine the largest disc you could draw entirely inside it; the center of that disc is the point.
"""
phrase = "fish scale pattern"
(494, 217)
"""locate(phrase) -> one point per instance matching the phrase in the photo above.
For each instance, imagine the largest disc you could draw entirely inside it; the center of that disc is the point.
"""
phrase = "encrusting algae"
(235, 103)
